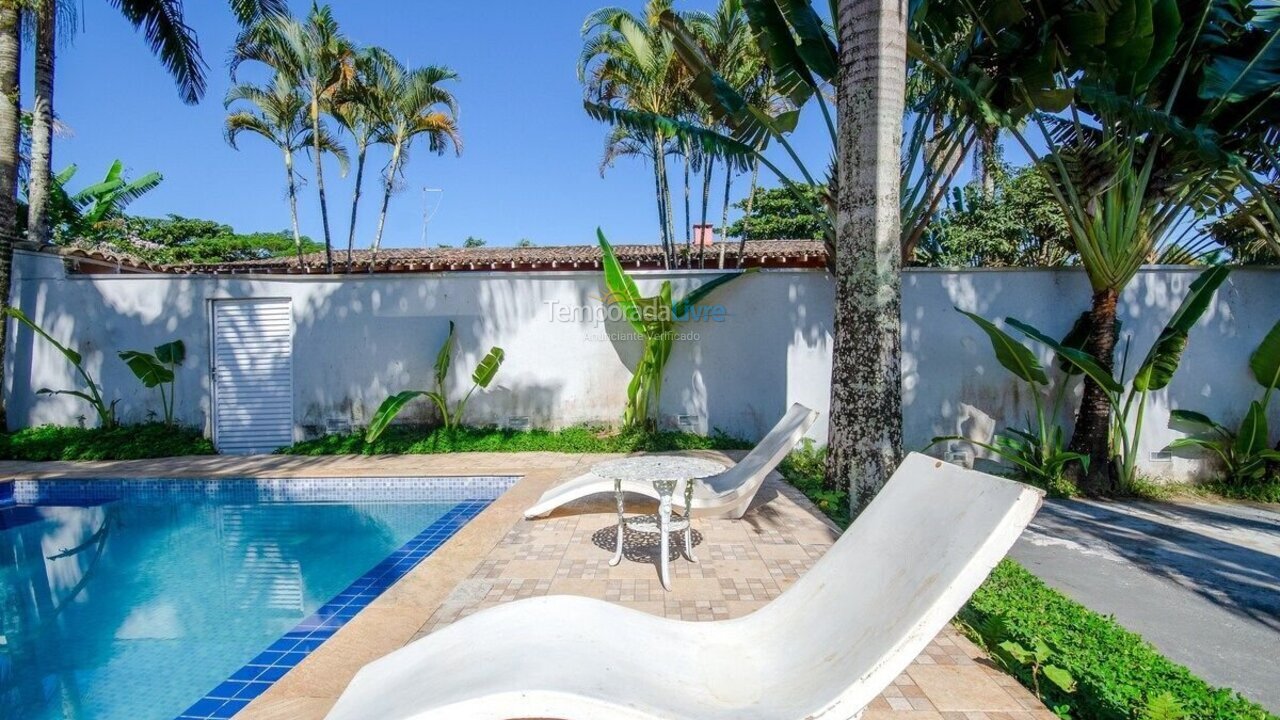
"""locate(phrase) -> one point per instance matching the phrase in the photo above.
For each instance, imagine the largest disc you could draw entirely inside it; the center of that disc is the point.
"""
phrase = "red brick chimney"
(703, 235)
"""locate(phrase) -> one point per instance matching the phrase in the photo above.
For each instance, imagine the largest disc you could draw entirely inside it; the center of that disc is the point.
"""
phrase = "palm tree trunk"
(39, 183)
(672, 260)
(355, 200)
(865, 442)
(662, 208)
(724, 209)
(706, 200)
(324, 204)
(1092, 435)
(751, 208)
(10, 122)
(392, 169)
(986, 159)
(293, 203)
(688, 219)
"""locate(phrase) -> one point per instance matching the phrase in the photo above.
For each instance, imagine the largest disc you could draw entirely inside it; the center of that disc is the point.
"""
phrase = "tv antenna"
(429, 212)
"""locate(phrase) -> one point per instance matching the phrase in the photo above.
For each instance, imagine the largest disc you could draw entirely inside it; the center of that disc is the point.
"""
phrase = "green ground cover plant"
(134, 442)
(418, 440)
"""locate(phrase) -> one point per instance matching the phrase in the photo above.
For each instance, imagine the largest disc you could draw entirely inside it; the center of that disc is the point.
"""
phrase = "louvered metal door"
(252, 375)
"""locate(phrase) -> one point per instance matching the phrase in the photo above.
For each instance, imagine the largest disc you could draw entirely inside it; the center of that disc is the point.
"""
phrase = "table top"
(657, 468)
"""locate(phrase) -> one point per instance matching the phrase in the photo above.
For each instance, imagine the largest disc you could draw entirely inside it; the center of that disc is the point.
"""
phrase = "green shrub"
(152, 440)
(1118, 674)
(410, 440)
(805, 468)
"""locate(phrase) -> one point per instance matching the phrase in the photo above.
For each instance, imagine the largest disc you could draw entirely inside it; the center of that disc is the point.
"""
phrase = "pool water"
(141, 607)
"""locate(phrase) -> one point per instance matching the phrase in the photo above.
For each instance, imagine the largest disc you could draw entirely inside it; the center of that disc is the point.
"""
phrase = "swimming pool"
(156, 599)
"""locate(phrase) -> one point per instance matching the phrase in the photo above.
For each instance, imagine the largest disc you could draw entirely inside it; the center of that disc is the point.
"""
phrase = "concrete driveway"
(1199, 580)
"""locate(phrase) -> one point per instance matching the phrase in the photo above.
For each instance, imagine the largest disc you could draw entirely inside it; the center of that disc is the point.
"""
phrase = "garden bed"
(133, 442)
(410, 440)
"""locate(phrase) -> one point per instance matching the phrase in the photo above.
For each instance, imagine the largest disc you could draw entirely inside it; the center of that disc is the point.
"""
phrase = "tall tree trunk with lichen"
(1092, 435)
(39, 184)
(865, 441)
(10, 134)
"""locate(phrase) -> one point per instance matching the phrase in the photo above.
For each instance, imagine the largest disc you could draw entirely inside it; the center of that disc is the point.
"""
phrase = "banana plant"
(1127, 408)
(1037, 453)
(158, 370)
(655, 319)
(1246, 451)
(450, 417)
(92, 393)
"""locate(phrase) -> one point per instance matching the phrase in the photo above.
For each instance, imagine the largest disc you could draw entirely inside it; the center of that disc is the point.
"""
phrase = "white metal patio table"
(668, 473)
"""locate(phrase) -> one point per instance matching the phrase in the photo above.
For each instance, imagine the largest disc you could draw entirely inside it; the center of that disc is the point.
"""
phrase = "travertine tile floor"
(500, 557)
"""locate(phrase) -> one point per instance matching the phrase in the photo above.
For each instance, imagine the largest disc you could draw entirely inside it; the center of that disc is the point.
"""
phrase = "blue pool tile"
(293, 647)
(227, 690)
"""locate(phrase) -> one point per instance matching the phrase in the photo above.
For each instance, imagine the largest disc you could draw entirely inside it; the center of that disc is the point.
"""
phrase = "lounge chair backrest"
(897, 576)
(769, 451)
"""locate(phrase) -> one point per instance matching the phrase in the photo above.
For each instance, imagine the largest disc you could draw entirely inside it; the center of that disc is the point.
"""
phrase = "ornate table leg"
(688, 519)
(665, 490)
(622, 525)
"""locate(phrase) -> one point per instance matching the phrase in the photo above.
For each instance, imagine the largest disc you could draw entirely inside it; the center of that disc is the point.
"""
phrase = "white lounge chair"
(728, 494)
(823, 650)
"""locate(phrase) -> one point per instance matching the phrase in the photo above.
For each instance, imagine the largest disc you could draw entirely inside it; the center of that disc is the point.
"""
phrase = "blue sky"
(530, 164)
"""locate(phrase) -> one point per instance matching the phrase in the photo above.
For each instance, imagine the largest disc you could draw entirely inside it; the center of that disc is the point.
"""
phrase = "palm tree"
(1141, 140)
(628, 62)
(729, 45)
(10, 140)
(280, 117)
(417, 108)
(316, 58)
(865, 439)
(362, 112)
(170, 38)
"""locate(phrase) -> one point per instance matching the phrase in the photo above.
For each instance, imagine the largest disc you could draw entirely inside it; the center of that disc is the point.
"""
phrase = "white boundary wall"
(358, 338)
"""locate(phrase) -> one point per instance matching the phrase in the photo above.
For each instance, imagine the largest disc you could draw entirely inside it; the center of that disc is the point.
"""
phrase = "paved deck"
(500, 557)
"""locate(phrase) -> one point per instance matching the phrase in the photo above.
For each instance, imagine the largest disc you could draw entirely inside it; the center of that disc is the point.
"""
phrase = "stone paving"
(500, 557)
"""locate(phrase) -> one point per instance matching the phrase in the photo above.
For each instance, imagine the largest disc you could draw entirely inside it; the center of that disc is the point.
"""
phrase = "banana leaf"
(1265, 361)
(147, 368)
(1081, 359)
(171, 353)
(622, 289)
(388, 411)
(68, 353)
(488, 367)
(444, 358)
(1253, 434)
(1011, 354)
(1191, 417)
(1157, 369)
